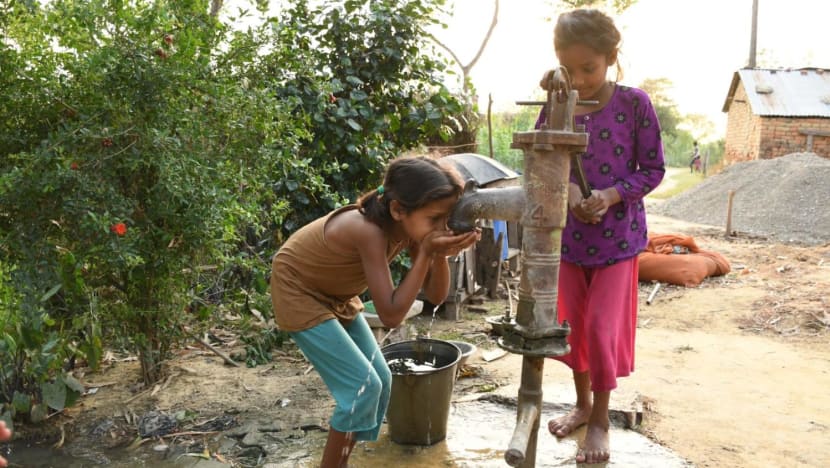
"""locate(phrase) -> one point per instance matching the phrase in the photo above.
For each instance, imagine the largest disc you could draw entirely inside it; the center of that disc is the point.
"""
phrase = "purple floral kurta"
(625, 150)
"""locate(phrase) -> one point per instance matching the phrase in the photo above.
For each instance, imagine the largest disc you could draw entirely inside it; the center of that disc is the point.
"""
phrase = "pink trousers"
(600, 304)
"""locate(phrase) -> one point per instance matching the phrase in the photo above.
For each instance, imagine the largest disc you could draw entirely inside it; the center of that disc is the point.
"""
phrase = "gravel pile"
(784, 199)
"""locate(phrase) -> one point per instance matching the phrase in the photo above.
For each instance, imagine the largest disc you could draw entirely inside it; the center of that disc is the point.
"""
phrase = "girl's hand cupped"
(447, 243)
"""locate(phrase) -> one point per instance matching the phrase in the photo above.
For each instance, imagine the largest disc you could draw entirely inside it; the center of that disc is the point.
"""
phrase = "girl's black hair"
(413, 182)
(589, 27)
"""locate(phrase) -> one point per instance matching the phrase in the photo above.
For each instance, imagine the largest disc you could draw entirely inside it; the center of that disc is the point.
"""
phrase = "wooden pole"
(729, 213)
(705, 163)
(490, 121)
(753, 39)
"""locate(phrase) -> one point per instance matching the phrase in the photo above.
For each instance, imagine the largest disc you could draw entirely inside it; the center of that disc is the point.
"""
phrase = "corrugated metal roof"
(785, 93)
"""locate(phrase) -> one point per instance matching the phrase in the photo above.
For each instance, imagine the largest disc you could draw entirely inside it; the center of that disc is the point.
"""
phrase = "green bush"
(31, 377)
(126, 180)
(372, 87)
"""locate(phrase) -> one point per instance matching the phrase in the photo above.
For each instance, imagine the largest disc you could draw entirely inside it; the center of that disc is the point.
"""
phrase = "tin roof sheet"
(785, 93)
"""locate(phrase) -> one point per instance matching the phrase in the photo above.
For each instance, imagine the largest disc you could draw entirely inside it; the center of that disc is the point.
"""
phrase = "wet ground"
(478, 433)
(479, 428)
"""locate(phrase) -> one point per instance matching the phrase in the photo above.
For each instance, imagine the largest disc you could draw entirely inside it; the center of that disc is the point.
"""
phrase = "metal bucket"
(420, 402)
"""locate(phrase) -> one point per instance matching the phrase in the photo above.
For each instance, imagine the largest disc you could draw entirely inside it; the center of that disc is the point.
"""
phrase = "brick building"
(772, 113)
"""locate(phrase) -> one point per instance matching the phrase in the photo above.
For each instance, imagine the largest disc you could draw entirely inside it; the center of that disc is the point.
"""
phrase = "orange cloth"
(676, 259)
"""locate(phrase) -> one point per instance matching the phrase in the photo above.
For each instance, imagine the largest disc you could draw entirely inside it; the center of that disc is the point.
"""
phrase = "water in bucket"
(423, 375)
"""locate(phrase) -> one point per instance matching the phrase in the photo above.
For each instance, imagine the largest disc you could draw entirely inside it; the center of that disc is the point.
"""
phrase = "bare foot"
(561, 427)
(595, 448)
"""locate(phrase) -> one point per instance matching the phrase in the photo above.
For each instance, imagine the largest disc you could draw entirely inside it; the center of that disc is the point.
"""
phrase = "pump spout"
(494, 203)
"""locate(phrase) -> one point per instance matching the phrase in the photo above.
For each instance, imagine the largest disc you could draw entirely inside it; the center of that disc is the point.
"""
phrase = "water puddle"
(478, 433)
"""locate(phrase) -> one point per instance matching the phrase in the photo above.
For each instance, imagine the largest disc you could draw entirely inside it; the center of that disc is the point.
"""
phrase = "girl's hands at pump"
(600, 200)
(591, 210)
(583, 214)
(432, 252)
(595, 206)
(579, 206)
(546, 82)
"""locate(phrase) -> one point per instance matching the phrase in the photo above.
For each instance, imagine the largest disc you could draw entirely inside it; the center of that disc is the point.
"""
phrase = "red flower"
(119, 228)
(74, 166)
(332, 98)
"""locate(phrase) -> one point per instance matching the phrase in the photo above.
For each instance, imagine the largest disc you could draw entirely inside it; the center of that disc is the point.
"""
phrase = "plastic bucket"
(420, 402)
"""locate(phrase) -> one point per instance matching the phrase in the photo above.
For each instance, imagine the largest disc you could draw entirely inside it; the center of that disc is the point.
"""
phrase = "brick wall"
(782, 135)
(743, 130)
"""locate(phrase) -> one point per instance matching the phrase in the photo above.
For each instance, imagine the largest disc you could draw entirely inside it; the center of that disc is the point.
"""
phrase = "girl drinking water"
(320, 271)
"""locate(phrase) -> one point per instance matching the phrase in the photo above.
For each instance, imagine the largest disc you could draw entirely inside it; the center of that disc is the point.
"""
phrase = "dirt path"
(738, 368)
(669, 181)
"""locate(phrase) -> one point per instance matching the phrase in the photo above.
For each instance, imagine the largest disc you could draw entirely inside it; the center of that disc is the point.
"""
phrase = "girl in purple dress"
(604, 232)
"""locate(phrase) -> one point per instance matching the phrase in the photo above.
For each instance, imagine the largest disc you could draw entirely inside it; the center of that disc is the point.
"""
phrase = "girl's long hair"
(413, 182)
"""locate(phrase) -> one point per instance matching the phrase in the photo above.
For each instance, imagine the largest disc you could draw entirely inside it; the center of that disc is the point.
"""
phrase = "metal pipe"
(493, 203)
(521, 451)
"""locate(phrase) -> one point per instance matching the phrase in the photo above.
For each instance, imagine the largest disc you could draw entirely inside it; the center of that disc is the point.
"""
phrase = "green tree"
(659, 90)
(373, 86)
(129, 166)
(699, 125)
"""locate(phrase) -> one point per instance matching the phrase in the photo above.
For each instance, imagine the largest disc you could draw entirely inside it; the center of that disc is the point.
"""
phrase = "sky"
(696, 44)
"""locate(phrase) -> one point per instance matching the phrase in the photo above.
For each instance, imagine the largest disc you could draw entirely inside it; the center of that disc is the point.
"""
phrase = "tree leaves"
(54, 394)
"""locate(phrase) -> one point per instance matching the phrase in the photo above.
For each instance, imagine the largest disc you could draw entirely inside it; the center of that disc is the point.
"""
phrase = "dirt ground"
(734, 372)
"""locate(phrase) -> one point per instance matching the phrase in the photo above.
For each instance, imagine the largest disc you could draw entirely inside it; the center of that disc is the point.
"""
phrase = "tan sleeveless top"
(311, 282)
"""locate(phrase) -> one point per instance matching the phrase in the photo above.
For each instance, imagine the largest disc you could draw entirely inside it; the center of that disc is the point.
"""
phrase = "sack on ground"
(676, 259)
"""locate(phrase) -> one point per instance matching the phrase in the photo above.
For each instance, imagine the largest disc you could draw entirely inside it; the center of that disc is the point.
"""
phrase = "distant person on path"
(694, 164)
(605, 232)
(319, 272)
(5, 434)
